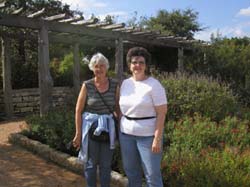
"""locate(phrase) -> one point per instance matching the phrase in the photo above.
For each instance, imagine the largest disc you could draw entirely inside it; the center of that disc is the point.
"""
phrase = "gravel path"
(20, 168)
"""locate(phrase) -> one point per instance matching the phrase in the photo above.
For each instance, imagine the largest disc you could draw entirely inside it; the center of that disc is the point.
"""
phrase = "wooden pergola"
(74, 31)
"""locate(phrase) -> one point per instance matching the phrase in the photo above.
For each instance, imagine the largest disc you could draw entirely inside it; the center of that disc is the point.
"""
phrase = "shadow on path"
(20, 168)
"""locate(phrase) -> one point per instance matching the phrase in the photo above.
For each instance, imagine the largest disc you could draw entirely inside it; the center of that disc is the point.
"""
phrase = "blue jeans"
(137, 157)
(99, 154)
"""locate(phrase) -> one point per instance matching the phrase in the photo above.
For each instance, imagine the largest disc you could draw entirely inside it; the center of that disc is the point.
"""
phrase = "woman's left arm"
(117, 107)
(161, 112)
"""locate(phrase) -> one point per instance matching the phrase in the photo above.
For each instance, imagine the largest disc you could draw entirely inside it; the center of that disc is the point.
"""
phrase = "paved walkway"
(20, 168)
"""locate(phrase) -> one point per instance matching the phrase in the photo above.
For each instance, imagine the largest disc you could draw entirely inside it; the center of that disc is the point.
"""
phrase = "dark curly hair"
(138, 51)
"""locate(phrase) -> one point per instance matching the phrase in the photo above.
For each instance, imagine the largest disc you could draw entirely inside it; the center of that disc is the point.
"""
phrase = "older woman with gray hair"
(95, 127)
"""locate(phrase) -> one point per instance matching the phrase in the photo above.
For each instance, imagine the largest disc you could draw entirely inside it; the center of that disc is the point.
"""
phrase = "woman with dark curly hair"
(143, 106)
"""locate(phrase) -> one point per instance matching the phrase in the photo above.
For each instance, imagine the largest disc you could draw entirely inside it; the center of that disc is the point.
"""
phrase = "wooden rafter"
(55, 17)
(37, 14)
(2, 4)
(71, 20)
(86, 22)
(114, 26)
(18, 11)
(165, 38)
(132, 30)
(180, 38)
(82, 28)
(142, 32)
(96, 25)
(123, 29)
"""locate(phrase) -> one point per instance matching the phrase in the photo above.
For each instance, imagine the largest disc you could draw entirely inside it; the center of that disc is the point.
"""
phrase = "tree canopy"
(177, 22)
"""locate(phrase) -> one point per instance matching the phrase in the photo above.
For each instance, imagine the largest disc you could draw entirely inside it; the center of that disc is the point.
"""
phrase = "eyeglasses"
(138, 62)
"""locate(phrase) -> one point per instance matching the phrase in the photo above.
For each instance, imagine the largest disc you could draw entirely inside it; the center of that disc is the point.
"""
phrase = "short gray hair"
(98, 58)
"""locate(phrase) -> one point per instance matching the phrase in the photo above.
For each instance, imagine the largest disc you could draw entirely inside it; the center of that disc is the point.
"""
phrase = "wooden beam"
(132, 30)
(76, 69)
(99, 25)
(55, 17)
(180, 59)
(2, 4)
(114, 26)
(18, 11)
(141, 32)
(180, 38)
(45, 79)
(19, 21)
(86, 22)
(119, 59)
(124, 29)
(71, 20)
(6, 72)
(37, 14)
(165, 38)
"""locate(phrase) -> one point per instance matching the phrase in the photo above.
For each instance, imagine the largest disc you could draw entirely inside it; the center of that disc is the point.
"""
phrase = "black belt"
(142, 118)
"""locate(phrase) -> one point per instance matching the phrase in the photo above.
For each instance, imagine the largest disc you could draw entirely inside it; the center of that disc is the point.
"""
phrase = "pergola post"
(45, 79)
(119, 59)
(6, 70)
(180, 59)
(76, 69)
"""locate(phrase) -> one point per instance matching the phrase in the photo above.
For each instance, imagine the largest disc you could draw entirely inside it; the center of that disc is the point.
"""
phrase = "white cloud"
(117, 15)
(244, 12)
(84, 4)
(239, 30)
(204, 35)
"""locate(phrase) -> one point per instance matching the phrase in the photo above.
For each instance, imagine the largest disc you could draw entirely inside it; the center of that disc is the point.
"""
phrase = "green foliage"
(62, 71)
(228, 59)
(24, 64)
(212, 169)
(55, 129)
(197, 133)
(204, 153)
(189, 94)
(52, 7)
(178, 22)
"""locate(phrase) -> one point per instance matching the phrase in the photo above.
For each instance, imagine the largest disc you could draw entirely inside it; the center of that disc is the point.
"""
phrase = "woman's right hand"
(77, 141)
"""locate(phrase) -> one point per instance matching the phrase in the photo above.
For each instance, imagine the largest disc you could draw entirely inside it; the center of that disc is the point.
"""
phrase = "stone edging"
(62, 159)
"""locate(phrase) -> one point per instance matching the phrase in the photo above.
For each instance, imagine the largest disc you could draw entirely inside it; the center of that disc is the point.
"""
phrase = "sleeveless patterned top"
(94, 103)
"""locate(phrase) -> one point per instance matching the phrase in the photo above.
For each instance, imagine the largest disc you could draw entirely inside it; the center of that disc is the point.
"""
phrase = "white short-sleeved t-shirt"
(137, 99)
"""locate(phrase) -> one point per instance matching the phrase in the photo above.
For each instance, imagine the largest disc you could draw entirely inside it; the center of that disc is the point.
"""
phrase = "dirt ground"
(20, 168)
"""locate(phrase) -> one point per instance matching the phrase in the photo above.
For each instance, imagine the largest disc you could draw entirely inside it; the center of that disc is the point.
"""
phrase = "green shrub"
(62, 71)
(55, 129)
(200, 152)
(197, 133)
(212, 168)
(189, 94)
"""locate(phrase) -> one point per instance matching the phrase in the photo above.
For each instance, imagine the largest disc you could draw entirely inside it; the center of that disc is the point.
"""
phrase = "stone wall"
(28, 100)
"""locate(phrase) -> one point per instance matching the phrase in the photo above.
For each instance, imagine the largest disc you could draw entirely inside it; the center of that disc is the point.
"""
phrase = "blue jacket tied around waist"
(105, 123)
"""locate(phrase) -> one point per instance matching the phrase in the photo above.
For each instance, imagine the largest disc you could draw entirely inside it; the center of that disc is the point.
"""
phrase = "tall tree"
(178, 22)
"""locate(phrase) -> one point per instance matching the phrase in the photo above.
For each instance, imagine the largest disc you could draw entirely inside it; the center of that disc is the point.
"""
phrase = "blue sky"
(231, 18)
